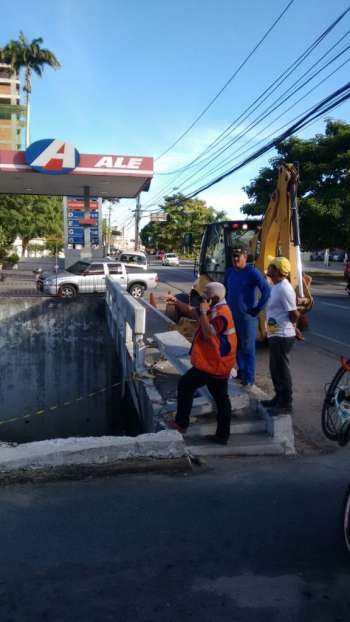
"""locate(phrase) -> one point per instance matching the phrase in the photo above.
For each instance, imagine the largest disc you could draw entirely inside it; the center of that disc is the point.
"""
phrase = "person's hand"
(170, 299)
(253, 312)
(204, 307)
(299, 335)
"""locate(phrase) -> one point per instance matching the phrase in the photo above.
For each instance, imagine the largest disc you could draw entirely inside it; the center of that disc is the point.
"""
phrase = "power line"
(273, 86)
(270, 109)
(235, 73)
(329, 103)
(277, 103)
(239, 152)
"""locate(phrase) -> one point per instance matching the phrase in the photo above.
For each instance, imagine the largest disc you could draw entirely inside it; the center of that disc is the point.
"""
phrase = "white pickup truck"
(89, 277)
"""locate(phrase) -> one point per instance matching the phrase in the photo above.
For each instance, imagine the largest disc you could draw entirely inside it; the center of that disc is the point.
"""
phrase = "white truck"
(89, 277)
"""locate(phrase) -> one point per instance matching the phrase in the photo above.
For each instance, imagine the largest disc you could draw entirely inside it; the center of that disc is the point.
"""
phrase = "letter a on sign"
(52, 156)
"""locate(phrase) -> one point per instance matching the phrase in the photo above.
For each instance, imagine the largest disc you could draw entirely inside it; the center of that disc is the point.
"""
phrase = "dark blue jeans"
(246, 327)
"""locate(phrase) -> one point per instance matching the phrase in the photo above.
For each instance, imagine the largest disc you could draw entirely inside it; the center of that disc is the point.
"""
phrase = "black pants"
(188, 384)
(279, 368)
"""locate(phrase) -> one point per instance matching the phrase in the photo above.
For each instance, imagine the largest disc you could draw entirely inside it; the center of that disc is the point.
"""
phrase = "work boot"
(270, 403)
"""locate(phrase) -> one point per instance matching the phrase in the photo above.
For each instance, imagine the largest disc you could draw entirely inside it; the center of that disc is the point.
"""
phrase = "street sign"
(159, 217)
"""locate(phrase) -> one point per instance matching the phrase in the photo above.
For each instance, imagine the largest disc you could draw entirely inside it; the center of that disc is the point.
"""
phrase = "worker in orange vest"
(213, 355)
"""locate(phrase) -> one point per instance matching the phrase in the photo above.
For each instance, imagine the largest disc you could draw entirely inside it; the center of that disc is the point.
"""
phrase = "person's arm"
(289, 302)
(294, 316)
(207, 330)
(261, 283)
(184, 308)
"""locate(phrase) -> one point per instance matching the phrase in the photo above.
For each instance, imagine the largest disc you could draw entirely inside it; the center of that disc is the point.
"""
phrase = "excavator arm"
(279, 235)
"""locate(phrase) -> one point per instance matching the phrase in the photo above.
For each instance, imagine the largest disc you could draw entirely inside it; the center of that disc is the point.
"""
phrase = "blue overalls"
(241, 297)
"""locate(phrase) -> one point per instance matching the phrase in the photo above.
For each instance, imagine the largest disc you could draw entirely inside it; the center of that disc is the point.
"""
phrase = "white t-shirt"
(282, 300)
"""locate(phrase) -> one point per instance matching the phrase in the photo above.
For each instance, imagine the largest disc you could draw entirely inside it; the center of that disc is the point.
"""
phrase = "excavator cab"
(218, 240)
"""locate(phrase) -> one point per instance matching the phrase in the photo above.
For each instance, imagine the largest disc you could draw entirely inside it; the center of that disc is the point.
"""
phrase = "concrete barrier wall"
(53, 354)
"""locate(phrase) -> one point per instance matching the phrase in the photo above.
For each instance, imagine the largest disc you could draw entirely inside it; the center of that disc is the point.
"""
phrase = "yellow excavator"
(276, 234)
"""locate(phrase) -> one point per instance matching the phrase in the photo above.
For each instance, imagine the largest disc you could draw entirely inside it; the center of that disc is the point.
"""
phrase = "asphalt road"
(246, 540)
(330, 317)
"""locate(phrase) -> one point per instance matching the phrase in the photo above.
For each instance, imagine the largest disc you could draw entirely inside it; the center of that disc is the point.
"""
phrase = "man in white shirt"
(281, 317)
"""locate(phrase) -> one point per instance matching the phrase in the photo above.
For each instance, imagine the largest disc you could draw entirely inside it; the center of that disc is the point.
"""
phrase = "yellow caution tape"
(55, 406)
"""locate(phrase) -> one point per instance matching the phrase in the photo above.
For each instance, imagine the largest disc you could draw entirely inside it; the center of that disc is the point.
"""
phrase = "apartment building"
(12, 113)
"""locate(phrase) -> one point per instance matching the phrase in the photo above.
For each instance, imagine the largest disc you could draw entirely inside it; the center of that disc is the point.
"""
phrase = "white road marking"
(331, 304)
(346, 345)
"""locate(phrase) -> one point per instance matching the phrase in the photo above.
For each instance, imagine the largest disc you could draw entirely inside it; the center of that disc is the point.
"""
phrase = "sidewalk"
(335, 270)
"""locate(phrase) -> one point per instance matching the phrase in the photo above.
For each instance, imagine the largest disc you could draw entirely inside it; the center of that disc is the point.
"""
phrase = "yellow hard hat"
(281, 263)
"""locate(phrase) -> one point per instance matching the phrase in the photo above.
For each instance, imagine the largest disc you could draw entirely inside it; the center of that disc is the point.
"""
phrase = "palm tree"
(31, 57)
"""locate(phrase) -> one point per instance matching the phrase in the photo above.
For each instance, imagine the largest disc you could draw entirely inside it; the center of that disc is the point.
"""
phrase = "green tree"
(6, 240)
(324, 190)
(33, 58)
(32, 216)
(183, 216)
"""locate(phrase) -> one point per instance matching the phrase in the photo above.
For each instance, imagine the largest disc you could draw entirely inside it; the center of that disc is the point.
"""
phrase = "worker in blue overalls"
(243, 282)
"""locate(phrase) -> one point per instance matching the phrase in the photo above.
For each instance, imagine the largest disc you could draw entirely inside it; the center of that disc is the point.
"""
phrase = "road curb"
(325, 273)
(92, 471)
(73, 458)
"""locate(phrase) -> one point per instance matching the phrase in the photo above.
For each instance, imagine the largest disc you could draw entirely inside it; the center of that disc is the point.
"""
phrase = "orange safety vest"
(216, 355)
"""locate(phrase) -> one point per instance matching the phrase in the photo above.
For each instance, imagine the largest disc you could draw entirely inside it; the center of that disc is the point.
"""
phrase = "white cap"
(215, 289)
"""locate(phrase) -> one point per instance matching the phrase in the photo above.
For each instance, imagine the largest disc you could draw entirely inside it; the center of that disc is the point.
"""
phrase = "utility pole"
(137, 222)
(87, 238)
(109, 229)
(112, 203)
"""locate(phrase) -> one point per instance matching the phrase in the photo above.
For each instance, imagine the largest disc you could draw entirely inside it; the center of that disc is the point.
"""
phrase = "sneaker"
(269, 403)
(175, 426)
(218, 440)
(252, 389)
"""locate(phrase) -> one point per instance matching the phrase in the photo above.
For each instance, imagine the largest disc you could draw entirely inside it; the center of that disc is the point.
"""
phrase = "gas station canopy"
(48, 170)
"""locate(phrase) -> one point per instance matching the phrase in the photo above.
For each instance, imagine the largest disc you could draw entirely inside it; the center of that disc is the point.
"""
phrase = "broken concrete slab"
(103, 450)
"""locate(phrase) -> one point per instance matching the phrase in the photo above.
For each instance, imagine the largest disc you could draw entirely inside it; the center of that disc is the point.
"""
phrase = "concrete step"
(242, 445)
(246, 425)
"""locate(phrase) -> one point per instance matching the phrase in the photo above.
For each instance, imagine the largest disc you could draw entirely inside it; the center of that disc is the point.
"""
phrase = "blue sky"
(135, 74)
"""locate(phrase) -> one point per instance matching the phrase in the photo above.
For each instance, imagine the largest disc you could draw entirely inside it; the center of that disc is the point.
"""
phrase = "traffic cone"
(152, 300)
